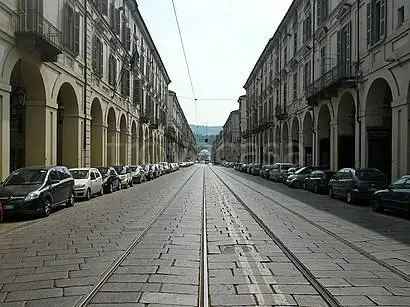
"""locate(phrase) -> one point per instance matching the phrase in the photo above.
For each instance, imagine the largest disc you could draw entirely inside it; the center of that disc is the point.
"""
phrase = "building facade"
(227, 146)
(81, 83)
(332, 87)
(243, 127)
(179, 138)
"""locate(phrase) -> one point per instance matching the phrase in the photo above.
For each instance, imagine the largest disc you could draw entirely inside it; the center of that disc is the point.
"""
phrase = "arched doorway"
(134, 140)
(346, 126)
(123, 141)
(295, 141)
(27, 117)
(141, 144)
(285, 143)
(111, 138)
(67, 127)
(379, 126)
(96, 134)
(277, 144)
(308, 139)
(324, 136)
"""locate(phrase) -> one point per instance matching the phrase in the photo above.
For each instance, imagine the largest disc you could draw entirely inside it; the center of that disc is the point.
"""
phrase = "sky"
(223, 40)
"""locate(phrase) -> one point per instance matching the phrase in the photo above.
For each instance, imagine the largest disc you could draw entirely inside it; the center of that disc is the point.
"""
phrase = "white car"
(124, 173)
(87, 182)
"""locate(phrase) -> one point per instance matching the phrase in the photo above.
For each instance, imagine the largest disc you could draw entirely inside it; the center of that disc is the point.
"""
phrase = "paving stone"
(80, 290)
(294, 289)
(359, 291)
(178, 288)
(33, 294)
(116, 297)
(354, 300)
(391, 300)
(130, 287)
(43, 276)
(230, 300)
(310, 301)
(253, 288)
(170, 299)
(32, 285)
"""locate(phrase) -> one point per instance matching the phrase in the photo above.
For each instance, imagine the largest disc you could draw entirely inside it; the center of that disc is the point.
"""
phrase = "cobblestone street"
(266, 245)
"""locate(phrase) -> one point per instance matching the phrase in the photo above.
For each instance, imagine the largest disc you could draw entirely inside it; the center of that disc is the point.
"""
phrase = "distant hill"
(205, 130)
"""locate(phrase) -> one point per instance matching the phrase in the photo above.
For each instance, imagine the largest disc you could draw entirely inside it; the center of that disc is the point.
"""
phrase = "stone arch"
(68, 127)
(295, 141)
(28, 118)
(97, 135)
(307, 139)
(323, 132)
(134, 143)
(378, 119)
(141, 144)
(111, 137)
(285, 142)
(123, 140)
(346, 123)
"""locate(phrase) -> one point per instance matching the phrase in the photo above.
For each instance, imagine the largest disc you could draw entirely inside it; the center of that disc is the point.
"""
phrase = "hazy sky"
(223, 40)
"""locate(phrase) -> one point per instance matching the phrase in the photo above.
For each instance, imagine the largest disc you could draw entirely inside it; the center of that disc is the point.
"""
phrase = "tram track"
(323, 229)
(204, 282)
(314, 282)
(86, 299)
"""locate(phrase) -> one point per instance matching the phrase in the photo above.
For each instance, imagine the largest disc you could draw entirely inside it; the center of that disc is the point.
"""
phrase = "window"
(295, 86)
(285, 54)
(285, 93)
(125, 83)
(376, 21)
(138, 91)
(71, 29)
(102, 6)
(322, 11)
(126, 36)
(400, 16)
(97, 57)
(323, 68)
(295, 43)
(306, 75)
(115, 18)
(307, 28)
(112, 70)
(344, 51)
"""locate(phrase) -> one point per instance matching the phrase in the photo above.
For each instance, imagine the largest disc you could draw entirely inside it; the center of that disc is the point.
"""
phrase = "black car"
(356, 184)
(111, 181)
(36, 190)
(318, 181)
(395, 197)
(297, 179)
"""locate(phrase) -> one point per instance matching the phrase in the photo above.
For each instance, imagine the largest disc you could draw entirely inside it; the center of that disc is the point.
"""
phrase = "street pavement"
(142, 247)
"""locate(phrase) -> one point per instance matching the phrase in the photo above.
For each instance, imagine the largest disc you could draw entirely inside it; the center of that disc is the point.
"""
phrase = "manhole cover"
(236, 248)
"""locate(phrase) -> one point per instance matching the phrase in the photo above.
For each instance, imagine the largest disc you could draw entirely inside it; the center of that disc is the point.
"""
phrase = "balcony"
(280, 113)
(340, 76)
(36, 34)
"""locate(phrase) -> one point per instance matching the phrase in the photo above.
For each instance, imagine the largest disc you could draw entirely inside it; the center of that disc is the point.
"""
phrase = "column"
(104, 145)
(4, 130)
(301, 148)
(334, 145)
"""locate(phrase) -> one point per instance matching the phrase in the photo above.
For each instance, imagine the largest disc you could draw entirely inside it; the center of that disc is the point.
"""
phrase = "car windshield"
(103, 170)
(285, 167)
(369, 174)
(303, 170)
(79, 173)
(120, 170)
(26, 177)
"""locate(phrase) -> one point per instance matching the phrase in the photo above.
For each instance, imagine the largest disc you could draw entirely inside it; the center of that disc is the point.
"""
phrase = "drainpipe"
(85, 44)
(357, 82)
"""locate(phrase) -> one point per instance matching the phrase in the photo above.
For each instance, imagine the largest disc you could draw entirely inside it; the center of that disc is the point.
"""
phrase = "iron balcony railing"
(333, 77)
(33, 22)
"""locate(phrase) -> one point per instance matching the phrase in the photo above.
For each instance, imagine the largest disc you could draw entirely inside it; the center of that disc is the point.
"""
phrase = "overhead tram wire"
(184, 51)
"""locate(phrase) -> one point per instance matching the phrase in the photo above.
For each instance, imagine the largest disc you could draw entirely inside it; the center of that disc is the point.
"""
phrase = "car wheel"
(349, 198)
(46, 209)
(111, 188)
(378, 205)
(331, 195)
(88, 195)
(70, 201)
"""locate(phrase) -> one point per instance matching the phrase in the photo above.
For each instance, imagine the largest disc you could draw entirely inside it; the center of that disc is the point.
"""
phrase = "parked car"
(149, 171)
(110, 180)
(87, 182)
(124, 173)
(278, 171)
(165, 167)
(156, 169)
(137, 174)
(264, 172)
(256, 168)
(36, 191)
(396, 197)
(297, 179)
(318, 181)
(356, 185)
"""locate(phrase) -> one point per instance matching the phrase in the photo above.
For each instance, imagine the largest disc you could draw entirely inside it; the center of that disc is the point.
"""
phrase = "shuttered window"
(112, 70)
(126, 36)
(376, 21)
(138, 92)
(295, 86)
(115, 18)
(322, 11)
(71, 29)
(307, 75)
(125, 83)
(97, 57)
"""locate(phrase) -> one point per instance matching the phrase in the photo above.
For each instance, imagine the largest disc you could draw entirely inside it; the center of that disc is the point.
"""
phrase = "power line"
(183, 50)
(209, 99)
